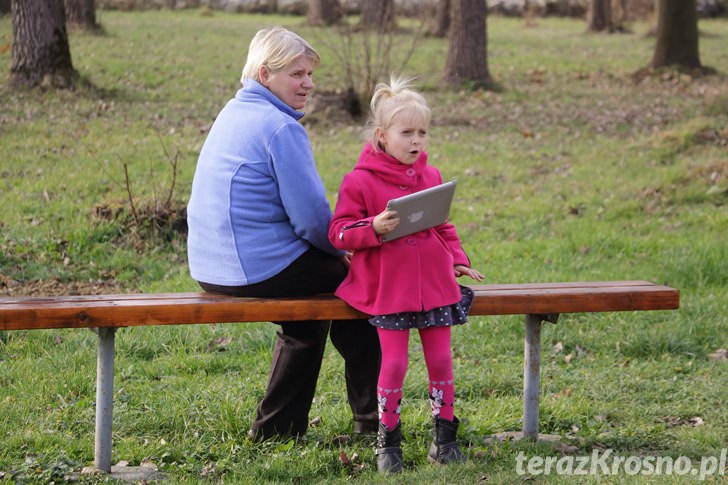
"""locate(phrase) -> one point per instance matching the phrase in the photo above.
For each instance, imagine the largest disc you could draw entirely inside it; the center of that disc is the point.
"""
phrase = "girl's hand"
(461, 270)
(385, 222)
(346, 258)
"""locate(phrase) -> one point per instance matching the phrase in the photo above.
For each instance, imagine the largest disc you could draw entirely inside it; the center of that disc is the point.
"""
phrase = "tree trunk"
(467, 56)
(41, 54)
(377, 15)
(441, 23)
(599, 17)
(81, 14)
(323, 12)
(677, 34)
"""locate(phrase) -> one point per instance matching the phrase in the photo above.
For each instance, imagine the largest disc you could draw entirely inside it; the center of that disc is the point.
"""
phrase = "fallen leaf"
(341, 439)
(219, 344)
(207, 470)
(344, 459)
(315, 421)
(720, 355)
(558, 347)
(576, 211)
(565, 448)
(567, 358)
(672, 421)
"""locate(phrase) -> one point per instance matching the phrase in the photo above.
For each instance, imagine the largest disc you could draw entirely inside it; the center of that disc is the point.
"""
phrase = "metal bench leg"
(104, 398)
(531, 377)
(532, 373)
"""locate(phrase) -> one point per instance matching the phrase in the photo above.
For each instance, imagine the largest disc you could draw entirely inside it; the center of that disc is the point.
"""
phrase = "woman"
(258, 223)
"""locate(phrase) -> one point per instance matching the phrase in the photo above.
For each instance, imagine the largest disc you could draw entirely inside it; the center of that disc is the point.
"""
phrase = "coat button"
(403, 187)
(410, 241)
(410, 172)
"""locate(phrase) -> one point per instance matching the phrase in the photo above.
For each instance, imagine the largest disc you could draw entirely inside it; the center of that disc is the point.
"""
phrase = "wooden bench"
(105, 313)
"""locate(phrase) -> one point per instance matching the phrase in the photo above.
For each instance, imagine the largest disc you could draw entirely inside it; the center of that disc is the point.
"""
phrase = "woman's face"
(292, 84)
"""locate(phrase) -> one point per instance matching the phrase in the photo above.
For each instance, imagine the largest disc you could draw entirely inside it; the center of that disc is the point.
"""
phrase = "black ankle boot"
(444, 448)
(389, 450)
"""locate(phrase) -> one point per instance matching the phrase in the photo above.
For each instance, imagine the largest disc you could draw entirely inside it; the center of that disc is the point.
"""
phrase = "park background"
(579, 166)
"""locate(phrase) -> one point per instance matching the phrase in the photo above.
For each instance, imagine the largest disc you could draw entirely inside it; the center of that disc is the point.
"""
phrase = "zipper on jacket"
(352, 226)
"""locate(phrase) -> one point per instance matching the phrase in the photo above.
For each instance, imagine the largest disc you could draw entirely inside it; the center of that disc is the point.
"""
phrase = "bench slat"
(33, 300)
(193, 308)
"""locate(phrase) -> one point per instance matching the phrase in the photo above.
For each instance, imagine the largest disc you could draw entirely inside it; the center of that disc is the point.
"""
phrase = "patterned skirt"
(444, 316)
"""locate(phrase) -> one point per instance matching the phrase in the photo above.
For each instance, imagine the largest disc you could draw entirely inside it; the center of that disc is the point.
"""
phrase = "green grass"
(574, 171)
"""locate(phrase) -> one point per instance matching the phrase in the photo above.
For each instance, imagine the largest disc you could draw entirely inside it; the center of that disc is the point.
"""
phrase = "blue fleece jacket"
(257, 201)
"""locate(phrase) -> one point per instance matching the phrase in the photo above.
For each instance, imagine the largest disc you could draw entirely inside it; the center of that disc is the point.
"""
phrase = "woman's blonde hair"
(276, 48)
(392, 100)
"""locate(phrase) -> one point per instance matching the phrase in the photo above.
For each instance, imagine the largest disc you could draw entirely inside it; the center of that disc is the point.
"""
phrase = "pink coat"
(410, 274)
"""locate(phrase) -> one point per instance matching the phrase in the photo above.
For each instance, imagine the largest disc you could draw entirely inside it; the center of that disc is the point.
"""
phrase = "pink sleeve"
(351, 227)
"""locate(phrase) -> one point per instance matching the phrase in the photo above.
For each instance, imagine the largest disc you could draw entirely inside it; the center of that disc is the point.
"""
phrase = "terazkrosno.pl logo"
(607, 462)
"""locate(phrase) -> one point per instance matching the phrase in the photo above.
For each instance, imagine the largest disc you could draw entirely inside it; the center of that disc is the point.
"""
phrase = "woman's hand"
(385, 222)
(461, 270)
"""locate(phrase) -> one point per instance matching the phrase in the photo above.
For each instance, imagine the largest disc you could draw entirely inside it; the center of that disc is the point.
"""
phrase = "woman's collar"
(254, 87)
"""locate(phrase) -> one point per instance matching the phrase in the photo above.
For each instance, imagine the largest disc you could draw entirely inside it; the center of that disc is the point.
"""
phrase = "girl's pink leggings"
(438, 357)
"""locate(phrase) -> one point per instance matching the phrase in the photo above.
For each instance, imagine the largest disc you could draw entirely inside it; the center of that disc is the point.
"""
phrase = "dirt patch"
(56, 287)
(333, 108)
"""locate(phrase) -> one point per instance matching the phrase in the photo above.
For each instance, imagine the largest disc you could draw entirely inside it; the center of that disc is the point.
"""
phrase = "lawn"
(575, 170)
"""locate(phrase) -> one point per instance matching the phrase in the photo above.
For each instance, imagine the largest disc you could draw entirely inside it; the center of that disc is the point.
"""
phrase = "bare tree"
(81, 14)
(441, 21)
(677, 34)
(467, 56)
(324, 12)
(365, 57)
(41, 54)
(599, 17)
(377, 15)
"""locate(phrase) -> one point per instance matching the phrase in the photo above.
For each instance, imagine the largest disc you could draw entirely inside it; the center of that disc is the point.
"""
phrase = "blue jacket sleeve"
(300, 186)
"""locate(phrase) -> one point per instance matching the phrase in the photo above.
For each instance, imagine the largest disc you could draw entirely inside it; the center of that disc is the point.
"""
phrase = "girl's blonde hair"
(392, 100)
(276, 48)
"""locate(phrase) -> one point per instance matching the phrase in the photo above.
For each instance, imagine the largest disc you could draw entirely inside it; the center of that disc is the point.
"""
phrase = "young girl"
(406, 283)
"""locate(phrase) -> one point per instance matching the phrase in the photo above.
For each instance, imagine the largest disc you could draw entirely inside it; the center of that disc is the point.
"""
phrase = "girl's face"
(405, 139)
(292, 84)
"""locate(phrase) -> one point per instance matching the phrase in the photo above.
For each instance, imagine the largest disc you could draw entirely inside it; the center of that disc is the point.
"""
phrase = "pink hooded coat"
(411, 274)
